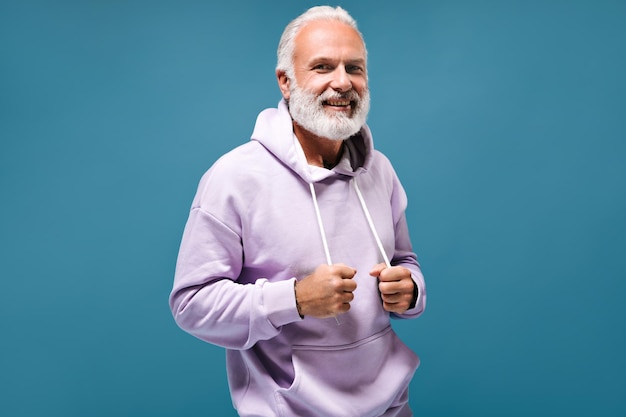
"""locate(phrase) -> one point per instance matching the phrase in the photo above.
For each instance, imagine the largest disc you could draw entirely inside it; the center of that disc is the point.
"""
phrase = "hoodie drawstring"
(371, 223)
(320, 224)
(367, 216)
(322, 232)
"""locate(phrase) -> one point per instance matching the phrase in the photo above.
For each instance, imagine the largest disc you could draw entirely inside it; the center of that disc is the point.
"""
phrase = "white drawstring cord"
(322, 232)
(373, 229)
(320, 224)
(371, 224)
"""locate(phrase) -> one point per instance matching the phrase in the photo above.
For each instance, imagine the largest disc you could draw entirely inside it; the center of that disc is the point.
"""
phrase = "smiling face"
(328, 94)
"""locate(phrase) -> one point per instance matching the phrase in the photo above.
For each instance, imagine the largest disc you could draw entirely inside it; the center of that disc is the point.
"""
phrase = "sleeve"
(403, 253)
(207, 301)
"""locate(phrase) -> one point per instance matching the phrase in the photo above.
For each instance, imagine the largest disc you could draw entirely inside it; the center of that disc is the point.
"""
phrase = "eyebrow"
(323, 59)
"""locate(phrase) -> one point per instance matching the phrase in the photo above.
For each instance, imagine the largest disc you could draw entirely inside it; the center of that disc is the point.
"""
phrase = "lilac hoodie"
(263, 218)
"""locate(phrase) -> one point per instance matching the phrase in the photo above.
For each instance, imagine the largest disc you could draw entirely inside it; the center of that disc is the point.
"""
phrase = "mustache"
(334, 95)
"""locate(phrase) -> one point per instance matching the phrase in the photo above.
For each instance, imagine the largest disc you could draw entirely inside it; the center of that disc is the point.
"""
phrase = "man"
(297, 253)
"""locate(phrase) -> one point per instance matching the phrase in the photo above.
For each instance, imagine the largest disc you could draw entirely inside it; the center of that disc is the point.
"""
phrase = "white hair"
(286, 46)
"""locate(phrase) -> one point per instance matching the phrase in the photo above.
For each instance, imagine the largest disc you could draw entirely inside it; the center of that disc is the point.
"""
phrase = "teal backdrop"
(506, 122)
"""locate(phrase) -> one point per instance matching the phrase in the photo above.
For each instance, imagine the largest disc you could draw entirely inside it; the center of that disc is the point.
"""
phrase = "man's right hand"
(327, 292)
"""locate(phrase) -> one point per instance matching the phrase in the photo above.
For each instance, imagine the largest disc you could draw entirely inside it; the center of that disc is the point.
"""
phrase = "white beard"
(308, 111)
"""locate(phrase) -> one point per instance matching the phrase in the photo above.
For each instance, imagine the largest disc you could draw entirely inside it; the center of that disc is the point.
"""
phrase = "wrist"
(415, 296)
(295, 294)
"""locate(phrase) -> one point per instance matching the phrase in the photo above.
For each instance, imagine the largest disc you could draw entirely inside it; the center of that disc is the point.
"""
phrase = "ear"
(283, 83)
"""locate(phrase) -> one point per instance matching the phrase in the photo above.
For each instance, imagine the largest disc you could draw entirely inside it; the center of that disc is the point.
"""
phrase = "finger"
(344, 271)
(348, 296)
(377, 269)
(394, 273)
(348, 285)
(344, 308)
(404, 286)
(388, 288)
(396, 303)
(395, 308)
(343, 302)
(396, 298)
(342, 281)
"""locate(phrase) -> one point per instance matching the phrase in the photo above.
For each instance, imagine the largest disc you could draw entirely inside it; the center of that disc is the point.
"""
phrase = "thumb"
(377, 269)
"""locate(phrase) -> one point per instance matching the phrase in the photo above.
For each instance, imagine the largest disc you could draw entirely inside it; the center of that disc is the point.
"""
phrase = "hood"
(274, 130)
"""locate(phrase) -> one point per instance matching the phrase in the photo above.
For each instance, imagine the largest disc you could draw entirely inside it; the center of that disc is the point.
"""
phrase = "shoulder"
(228, 170)
(381, 171)
(380, 158)
(239, 158)
(239, 164)
(380, 165)
(237, 175)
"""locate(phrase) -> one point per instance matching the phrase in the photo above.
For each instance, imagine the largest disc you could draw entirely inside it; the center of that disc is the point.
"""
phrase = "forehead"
(323, 39)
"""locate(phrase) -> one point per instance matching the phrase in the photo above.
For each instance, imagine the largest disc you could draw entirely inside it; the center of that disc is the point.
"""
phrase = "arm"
(402, 286)
(206, 300)
(405, 258)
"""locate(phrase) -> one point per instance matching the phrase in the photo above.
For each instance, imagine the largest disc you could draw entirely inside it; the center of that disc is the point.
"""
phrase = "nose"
(341, 80)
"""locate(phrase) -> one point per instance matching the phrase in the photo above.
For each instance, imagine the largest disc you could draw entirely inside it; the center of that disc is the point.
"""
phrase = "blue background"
(506, 121)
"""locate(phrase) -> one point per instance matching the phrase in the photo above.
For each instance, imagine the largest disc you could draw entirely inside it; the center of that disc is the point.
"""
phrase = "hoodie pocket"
(360, 379)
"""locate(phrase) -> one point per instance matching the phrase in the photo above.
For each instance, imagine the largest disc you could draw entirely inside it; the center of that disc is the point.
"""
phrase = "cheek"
(314, 83)
(316, 88)
(360, 86)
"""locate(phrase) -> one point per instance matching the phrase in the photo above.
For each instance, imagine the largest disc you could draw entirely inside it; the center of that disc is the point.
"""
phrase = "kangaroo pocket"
(360, 379)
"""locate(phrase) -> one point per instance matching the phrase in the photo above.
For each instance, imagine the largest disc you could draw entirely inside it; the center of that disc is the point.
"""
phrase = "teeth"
(339, 103)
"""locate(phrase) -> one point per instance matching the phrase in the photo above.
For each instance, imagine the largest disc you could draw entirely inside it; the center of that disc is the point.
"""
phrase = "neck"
(321, 152)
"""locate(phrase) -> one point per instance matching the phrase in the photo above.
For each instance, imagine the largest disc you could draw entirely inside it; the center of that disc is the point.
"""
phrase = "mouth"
(338, 103)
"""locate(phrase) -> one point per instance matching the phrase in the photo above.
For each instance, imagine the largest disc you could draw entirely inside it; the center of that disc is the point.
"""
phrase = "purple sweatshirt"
(263, 218)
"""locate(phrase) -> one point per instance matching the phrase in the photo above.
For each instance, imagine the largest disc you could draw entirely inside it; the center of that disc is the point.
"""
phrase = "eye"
(354, 69)
(322, 68)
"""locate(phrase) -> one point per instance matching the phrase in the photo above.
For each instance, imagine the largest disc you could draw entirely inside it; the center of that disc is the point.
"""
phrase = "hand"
(396, 287)
(327, 292)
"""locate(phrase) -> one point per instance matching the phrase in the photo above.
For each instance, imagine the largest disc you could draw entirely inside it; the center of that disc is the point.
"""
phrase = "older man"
(297, 252)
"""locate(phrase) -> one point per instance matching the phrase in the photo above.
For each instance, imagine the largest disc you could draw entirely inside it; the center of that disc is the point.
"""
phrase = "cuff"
(416, 293)
(280, 302)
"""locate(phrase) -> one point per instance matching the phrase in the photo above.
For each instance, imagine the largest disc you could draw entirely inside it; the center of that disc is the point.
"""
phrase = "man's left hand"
(396, 287)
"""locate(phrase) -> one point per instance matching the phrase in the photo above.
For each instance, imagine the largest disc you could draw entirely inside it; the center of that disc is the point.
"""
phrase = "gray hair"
(286, 46)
